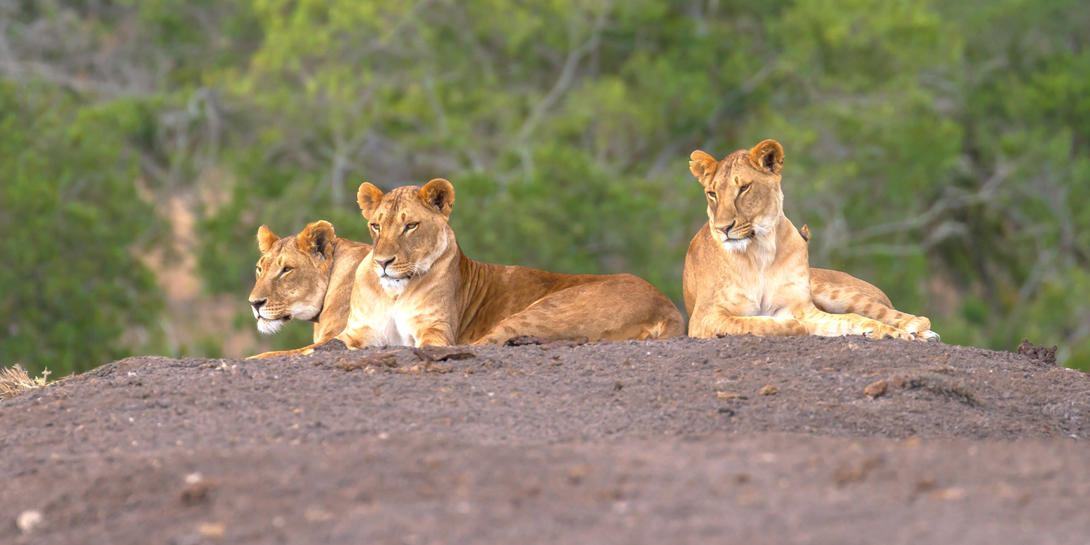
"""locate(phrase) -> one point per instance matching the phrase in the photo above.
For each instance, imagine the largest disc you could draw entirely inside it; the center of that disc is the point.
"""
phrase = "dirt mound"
(682, 441)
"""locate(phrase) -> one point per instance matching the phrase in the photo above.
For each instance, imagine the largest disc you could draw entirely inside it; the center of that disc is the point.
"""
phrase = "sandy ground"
(737, 440)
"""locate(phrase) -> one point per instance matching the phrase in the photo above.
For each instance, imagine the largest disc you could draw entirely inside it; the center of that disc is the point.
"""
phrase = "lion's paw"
(917, 325)
(886, 332)
(928, 336)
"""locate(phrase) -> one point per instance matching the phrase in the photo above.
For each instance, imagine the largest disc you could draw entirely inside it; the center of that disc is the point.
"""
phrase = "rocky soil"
(805, 440)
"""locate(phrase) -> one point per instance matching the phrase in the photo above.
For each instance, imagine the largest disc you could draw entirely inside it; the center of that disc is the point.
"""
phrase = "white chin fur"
(736, 245)
(269, 327)
(304, 312)
(393, 286)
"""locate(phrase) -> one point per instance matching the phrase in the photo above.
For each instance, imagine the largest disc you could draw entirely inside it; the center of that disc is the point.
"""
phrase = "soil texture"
(733, 440)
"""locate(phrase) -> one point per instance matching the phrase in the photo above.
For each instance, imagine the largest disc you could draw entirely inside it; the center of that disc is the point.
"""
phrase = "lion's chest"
(394, 328)
(759, 292)
(758, 299)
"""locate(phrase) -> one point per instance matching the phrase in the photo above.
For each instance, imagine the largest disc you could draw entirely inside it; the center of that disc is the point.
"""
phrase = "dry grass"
(14, 380)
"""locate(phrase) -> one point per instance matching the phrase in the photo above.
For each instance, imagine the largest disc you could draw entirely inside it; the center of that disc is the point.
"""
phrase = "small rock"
(769, 390)
(925, 484)
(876, 388)
(332, 345)
(28, 520)
(197, 492)
(850, 473)
(546, 344)
(212, 530)
(381, 359)
(1039, 354)
(523, 340)
(442, 353)
(948, 494)
(316, 514)
(727, 396)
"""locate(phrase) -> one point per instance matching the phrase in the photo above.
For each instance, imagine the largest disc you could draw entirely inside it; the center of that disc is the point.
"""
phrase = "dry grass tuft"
(14, 380)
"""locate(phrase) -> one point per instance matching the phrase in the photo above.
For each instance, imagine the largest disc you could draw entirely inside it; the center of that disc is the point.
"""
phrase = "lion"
(747, 269)
(305, 277)
(417, 288)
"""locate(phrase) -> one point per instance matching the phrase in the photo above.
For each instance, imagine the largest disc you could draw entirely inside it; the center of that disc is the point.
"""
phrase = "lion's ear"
(368, 198)
(702, 165)
(317, 238)
(438, 195)
(265, 238)
(767, 156)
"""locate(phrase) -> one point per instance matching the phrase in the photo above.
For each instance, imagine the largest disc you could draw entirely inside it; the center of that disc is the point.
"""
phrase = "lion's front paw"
(917, 326)
(928, 336)
(886, 332)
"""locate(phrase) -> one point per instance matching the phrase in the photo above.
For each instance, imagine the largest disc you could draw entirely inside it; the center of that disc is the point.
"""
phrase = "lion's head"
(743, 192)
(409, 228)
(292, 275)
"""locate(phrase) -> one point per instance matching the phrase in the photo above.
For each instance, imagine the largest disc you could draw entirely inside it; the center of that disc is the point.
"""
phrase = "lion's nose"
(726, 230)
(384, 262)
(258, 303)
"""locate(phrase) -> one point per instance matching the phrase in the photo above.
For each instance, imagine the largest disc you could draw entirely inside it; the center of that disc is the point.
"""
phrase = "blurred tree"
(937, 149)
(74, 293)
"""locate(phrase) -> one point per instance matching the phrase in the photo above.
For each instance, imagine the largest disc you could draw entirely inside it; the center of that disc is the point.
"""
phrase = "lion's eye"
(712, 195)
(375, 227)
(284, 271)
(743, 189)
(411, 226)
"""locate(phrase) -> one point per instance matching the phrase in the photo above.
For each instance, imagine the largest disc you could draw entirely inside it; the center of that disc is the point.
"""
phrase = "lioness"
(306, 277)
(747, 269)
(417, 288)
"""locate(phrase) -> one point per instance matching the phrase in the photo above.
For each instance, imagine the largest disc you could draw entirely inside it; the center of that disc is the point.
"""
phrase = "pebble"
(28, 520)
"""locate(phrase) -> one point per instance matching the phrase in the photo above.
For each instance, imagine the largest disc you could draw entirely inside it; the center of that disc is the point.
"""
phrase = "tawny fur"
(307, 276)
(417, 288)
(747, 269)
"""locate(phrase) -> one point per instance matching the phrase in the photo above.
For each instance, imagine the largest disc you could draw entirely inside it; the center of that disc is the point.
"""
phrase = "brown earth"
(682, 441)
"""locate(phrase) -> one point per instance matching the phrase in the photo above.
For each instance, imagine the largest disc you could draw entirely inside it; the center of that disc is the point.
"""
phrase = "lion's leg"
(847, 302)
(714, 322)
(437, 335)
(830, 325)
(834, 291)
(761, 326)
(528, 322)
(617, 308)
(918, 326)
(357, 337)
(840, 293)
(295, 352)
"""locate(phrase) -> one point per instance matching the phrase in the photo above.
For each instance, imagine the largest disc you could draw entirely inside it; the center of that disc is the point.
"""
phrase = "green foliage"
(72, 285)
(939, 150)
